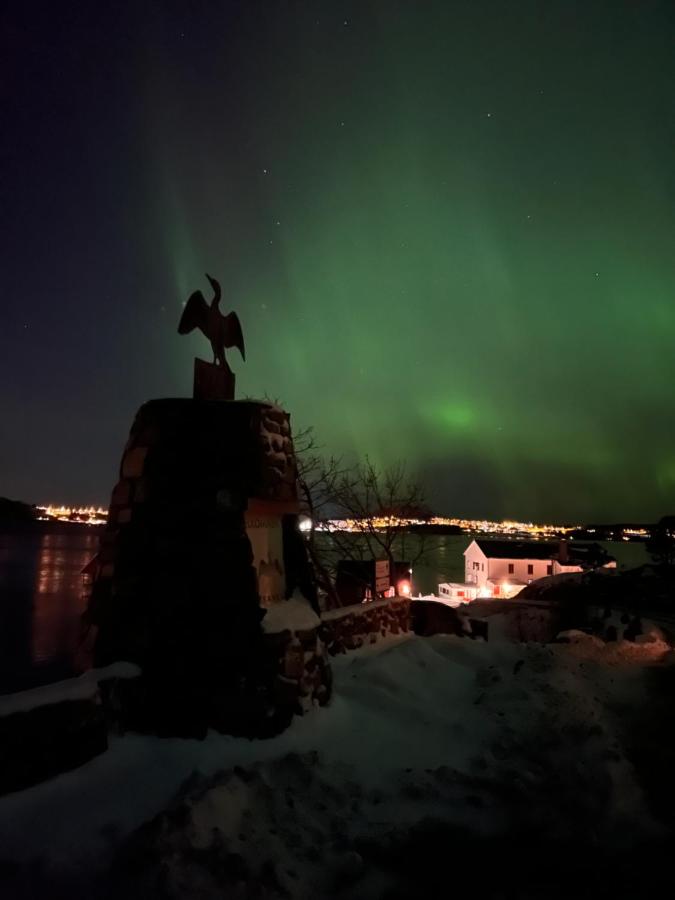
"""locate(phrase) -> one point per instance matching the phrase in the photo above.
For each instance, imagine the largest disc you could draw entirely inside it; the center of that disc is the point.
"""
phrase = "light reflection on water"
(41, 603)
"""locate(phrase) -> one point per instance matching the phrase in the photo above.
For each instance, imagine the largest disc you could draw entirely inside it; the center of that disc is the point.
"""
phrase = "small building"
(501, 568)
(361, 580)
(457, 592)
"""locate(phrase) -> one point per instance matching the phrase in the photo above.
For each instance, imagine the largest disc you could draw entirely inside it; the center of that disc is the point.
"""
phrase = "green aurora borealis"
(448, 230)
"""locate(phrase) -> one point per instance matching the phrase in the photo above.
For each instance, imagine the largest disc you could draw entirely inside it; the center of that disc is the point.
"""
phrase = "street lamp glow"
(304, 524)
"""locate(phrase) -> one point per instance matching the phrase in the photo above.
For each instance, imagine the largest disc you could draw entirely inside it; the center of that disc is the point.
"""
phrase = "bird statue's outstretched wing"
(195, 314)
(233, 336)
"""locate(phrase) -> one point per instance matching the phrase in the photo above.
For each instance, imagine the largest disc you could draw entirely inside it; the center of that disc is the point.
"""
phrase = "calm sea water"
(42, 597)
(41, 603)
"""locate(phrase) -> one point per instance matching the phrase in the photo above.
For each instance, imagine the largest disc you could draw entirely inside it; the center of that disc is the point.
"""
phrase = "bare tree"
(373, 500)
(317, 480)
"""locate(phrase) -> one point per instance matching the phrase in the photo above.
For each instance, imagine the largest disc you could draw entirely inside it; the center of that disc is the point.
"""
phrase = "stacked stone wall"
(302, 675)
(354, 626)
(299, 659)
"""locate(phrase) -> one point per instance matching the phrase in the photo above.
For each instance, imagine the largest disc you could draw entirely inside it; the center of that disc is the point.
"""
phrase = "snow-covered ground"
(448, 735)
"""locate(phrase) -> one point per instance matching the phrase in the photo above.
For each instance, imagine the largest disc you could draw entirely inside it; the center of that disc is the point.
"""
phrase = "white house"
(502, 568)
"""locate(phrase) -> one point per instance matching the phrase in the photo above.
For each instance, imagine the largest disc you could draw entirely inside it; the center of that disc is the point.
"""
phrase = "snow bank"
(652, 648)
(294, 614)
(446, 601)
(83, 688)
(355, 609)
(489, 739)
(493, 738)
(574, 636)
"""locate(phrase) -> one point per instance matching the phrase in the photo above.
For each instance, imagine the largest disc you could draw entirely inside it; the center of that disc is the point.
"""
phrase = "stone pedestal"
(212, 382)
(176, 589)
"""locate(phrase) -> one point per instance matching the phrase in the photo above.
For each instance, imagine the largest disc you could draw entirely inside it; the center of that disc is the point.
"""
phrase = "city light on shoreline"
(82, 515)
(507, 528)
(470, 526)
(97, 515)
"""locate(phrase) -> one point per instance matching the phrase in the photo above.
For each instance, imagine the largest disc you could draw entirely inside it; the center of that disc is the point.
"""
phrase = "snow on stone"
(575, 636)
(83, 688)
(294, 614)
(356, 609)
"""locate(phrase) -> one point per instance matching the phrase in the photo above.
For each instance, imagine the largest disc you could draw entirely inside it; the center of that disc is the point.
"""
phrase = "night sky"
(448, 229)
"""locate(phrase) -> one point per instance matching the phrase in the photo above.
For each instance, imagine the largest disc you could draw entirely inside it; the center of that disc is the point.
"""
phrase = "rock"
(39, 743)
(652, 636)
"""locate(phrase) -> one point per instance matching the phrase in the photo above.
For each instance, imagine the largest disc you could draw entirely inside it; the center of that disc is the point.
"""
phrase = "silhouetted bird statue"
(222, 331)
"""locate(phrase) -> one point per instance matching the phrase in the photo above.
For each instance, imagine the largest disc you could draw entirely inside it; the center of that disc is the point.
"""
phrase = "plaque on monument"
(264, 528)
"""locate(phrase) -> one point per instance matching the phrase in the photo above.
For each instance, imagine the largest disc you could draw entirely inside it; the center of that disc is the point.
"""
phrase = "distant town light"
(404, 588)
(304, 524)
(472, 526)
(83, 515)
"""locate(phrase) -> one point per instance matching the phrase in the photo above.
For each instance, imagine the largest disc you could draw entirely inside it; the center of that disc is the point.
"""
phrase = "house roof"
(496, 549)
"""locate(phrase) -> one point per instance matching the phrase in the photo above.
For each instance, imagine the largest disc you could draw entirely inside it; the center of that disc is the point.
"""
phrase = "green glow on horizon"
(457, 417)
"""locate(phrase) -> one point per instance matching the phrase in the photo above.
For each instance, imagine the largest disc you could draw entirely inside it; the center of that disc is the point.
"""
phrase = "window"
(460, 593)
(530, 569)
(510, 568)
(549, 570)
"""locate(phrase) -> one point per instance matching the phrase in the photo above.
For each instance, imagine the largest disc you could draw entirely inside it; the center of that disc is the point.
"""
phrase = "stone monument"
(201, 538)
